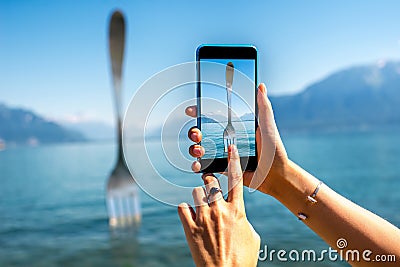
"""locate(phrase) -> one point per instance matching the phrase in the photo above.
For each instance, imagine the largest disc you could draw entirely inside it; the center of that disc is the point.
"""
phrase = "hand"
(218, 233)
(272, 157)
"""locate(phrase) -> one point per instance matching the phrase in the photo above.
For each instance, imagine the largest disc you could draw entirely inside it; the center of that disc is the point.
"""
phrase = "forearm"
(333, 216)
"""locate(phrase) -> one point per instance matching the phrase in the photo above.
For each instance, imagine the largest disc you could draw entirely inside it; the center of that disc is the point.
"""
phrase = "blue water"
(213, 141)
(52, 209)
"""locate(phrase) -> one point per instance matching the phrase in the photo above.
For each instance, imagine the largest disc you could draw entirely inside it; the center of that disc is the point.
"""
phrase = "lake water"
(52, 207)
(213, 141)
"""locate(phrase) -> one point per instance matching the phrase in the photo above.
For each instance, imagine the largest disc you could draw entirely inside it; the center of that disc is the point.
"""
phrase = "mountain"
(93, 130)
(220, 118)
(361, 97)
(206, 119)
(20, 126)
(357, 98)
(247, 117)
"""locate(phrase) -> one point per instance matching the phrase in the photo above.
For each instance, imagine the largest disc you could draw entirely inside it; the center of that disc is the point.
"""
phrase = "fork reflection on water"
(124, 206)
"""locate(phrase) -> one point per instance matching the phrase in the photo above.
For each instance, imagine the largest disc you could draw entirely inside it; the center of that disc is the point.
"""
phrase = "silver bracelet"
(301, 216)
(311, 197)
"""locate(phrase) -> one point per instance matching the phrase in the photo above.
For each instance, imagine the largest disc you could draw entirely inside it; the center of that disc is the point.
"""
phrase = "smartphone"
(226, 104)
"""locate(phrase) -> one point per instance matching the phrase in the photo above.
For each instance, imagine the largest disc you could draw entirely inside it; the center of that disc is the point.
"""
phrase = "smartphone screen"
(226, 101)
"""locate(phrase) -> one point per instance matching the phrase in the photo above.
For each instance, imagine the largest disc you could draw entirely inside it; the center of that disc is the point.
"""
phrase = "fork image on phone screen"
(229, 132)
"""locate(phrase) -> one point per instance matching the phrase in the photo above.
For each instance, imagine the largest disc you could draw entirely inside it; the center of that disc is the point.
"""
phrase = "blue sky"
(53, 54)
(243, 90)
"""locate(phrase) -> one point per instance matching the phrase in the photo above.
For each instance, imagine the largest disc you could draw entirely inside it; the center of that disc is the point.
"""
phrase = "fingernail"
(184, 205)
(197, 150)
(207, 174)
(232, 148)
(261, 88)
(188, 111)
(194, 136)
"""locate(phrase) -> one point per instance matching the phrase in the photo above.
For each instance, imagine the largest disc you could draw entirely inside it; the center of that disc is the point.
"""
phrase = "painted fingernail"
(232, 149)
(189, 110)
(194, 136)
(261, 88)
(197, 150)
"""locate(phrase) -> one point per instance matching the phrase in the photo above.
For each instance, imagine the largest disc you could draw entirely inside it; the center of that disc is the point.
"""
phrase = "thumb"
(268, 132)
(235, 177)
(266, 119)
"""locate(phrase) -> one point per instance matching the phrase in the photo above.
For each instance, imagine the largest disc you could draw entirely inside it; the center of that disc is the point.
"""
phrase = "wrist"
(277, 178)
(291, 177)
(292, 188)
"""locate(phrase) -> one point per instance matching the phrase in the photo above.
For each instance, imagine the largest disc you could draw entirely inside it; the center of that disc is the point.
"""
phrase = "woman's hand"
(218, 233)
(272, 157)
(332, 216)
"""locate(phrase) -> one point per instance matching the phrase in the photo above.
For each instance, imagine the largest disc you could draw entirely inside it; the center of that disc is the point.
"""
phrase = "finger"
(195, 134)
(200, 201)
(196, 151)
(247, 177)
(265, 113)
(196, 166)
(211, 183)
(191, 111)
(235, 177)
(187, 216)
(268, 134)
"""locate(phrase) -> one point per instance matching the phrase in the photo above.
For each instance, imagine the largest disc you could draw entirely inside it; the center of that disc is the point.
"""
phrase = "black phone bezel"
(226, 52)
